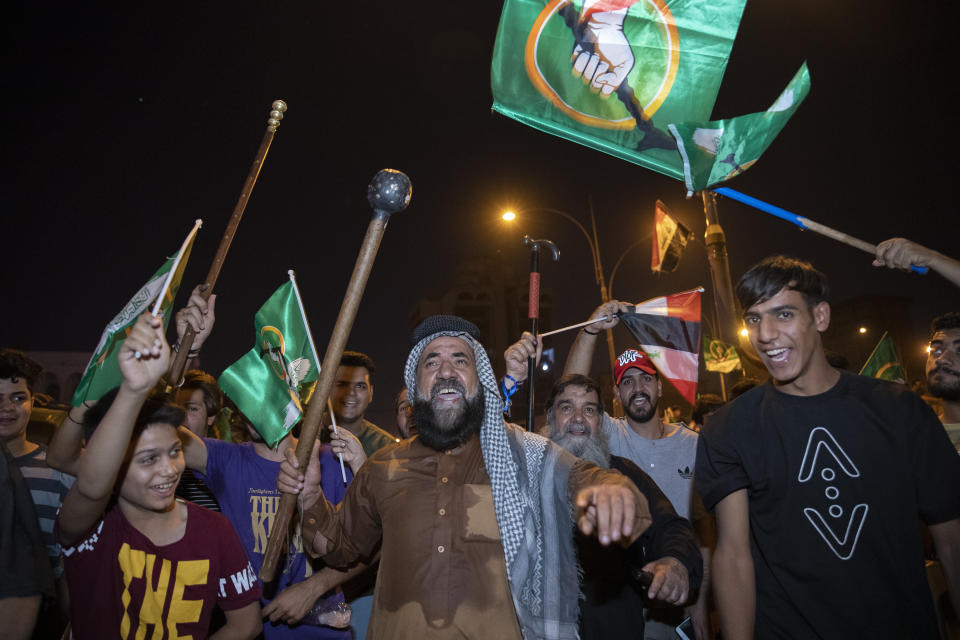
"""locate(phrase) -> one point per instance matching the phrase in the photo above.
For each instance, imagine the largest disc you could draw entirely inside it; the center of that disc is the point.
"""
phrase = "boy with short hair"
(818, 479)
(149, 561)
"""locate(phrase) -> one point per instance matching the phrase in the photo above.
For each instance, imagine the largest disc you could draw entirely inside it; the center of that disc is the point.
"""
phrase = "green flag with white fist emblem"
(614, 75)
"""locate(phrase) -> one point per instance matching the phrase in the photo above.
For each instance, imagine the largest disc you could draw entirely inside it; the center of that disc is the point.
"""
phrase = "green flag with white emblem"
(884, 363)
(270, 383)
(615, 74)
(720, 357)
(713, 152)
(103, 371)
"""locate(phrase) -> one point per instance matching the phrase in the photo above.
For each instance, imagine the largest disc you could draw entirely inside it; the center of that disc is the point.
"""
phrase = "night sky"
(124, 125)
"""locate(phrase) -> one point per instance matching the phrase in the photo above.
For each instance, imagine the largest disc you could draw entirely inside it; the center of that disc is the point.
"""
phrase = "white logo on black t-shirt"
(822, 442)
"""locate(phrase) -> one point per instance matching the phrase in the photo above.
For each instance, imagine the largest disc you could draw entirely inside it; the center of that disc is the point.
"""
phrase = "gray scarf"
(528, 478)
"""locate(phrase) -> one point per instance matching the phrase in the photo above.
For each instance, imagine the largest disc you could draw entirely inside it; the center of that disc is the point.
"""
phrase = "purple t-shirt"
(245, 485)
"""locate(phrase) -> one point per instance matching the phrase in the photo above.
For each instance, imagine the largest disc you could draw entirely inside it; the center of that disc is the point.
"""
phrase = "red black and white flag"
(668, 330)
(669, 240)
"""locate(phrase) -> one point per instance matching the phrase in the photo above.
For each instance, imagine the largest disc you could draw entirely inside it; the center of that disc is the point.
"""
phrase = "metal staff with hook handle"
(533, 307)
(183, 348)
(389, 192)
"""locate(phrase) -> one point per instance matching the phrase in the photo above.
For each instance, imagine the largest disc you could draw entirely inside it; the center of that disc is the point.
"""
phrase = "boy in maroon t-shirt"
(150, 564)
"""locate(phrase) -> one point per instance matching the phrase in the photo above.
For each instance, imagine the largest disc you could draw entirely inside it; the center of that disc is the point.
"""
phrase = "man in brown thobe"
(474, 515)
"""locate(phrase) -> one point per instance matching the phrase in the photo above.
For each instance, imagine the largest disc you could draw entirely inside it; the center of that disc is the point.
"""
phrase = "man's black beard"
(641, 416)
(945, 389)
(442, 432)
(595, 448)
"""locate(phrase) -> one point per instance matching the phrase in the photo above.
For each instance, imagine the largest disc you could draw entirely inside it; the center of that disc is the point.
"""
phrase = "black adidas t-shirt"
(837, 483)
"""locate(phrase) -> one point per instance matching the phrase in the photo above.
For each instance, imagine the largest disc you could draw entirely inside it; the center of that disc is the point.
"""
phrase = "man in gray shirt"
(666, 452)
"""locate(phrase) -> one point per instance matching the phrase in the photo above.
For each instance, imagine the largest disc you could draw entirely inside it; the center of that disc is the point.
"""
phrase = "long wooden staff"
(389, 192)
(183, 349)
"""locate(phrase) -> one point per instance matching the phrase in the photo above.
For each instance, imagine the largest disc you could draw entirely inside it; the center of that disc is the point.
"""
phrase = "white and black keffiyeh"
(528, 478)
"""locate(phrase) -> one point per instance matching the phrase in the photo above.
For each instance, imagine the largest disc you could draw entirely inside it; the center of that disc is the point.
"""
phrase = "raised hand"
(607, 310)
(144, 356)
(345, 443)
(516, 355)
(197, 315)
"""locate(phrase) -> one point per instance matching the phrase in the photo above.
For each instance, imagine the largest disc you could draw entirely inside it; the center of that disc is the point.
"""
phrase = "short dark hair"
(950, 320)
(707, 403)
(767, 278)
(576, 380)
(156, 409)
(357, 359)
(212, 396)
(14, 366)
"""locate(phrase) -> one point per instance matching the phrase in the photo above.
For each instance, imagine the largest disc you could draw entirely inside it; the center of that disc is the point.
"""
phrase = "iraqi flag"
(668, 330)
(669, 240)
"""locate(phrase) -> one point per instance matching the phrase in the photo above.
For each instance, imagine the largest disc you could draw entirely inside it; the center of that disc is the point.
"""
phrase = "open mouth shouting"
(578, 429)
(640, 401)
(447, 392)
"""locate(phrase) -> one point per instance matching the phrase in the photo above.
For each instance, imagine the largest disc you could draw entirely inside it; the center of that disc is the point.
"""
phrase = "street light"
(594, 245)
(510, 216)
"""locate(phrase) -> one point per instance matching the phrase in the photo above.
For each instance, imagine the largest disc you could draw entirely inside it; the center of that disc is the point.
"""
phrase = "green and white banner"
(270, 383)
(720, 357)
(103, 372)
(714, 152)
(615, 74)
(884, 363)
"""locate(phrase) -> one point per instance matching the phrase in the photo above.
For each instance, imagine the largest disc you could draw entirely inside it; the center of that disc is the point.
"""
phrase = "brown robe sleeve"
(585, 474)
(346, 533)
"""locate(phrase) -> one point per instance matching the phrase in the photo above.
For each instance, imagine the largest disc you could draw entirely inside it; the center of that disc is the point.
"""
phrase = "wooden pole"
(805, 223)
(388, 193)
(276, 115)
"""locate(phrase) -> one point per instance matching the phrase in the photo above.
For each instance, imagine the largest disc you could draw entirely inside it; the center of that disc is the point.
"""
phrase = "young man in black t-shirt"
(818, 479)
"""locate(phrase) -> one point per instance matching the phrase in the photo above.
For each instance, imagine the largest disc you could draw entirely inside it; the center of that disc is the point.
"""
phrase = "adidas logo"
(685, 473)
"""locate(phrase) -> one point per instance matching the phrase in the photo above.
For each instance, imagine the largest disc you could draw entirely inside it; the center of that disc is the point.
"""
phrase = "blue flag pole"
(803, 223)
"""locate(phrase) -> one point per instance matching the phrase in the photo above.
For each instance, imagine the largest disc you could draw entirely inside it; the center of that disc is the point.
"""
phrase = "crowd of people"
(815, 504)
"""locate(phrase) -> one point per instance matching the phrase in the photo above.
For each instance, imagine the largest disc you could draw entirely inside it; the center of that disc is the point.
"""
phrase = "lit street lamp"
(594, 245)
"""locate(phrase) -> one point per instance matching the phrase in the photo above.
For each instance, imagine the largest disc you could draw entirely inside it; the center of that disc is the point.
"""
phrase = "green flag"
(720, 357)
(717, 151)
(269, 383)
(614, 74)
(103, 372)
(883, 363)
